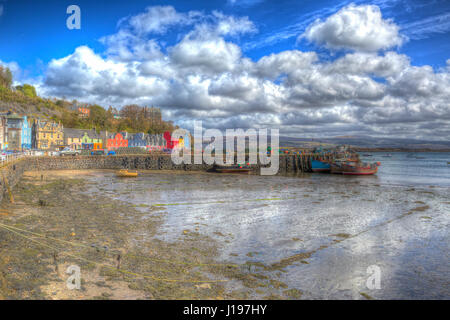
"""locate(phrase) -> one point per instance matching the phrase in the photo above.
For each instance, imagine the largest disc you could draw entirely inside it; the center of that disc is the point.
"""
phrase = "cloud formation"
(354, 27)
(205, 75)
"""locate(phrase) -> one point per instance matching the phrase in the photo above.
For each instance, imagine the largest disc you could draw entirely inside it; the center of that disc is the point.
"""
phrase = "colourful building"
(84, 112)
(47, 135)
(91, 140)
(137, 140)
(3, 133)
(72, 138)
(116, 140)
(155, 141)
(26, 134)
(14, 123)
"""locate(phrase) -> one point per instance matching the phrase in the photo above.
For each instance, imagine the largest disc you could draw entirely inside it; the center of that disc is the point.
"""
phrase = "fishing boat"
(126, 173)
(233, 168)
(354, 167)
(320, 166)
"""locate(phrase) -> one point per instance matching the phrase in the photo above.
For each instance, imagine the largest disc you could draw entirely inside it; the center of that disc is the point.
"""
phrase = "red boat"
(354, 167)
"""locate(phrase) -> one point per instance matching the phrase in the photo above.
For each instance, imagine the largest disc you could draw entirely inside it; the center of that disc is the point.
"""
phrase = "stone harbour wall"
(12, 173)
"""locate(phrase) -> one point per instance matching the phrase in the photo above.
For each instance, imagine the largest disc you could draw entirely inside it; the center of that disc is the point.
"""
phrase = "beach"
(199, 235)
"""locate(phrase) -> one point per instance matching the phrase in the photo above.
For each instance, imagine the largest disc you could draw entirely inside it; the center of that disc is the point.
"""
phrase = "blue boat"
(320, 166)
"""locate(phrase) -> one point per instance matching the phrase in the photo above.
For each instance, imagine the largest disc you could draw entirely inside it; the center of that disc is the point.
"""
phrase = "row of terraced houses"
(19, 133)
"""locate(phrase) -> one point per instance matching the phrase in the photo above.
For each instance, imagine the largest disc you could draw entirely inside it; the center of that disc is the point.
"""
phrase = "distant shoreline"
(360, 149)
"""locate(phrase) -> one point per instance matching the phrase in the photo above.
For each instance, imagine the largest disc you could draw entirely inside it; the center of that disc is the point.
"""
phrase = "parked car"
(99, 152)
(69, 152)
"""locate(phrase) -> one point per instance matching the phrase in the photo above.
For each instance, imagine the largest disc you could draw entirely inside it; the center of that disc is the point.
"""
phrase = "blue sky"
(376, 67)
(34, 32)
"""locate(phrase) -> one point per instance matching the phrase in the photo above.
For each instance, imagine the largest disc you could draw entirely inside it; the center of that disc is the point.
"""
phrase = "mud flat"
(56, 221)
(199, 235)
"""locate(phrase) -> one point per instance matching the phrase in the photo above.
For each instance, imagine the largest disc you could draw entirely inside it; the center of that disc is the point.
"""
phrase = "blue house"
(137, 140)
(187, 141)
(26, 134)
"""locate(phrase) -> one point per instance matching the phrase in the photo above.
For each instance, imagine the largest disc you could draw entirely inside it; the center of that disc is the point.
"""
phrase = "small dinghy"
(126, 173)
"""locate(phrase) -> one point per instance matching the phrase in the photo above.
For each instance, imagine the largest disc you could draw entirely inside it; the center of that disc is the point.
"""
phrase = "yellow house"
(47, 134)
(73, 138)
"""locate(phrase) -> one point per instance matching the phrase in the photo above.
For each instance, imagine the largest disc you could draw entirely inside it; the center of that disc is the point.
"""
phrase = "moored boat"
(354, 168)
(320, 166)
(126, 173)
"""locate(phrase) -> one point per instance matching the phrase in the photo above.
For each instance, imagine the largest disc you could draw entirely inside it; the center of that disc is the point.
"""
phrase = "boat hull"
(320, 166)
(354, 170)
(126, 174)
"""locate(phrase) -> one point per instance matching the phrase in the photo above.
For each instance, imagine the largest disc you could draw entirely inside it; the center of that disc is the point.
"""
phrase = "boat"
(367, 155)
(233, 168)
(354, 167)
(320, 166)
(387, 155)
(126, 173)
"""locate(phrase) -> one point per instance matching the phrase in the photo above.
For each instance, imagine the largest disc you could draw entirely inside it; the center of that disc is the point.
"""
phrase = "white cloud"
(205, 75)
(388, 65)
(211, 55)
(229, 25)
(354, 27)
(157, 19)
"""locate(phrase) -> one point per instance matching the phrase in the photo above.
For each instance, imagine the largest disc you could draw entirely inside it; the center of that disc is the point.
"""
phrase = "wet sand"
(297, 237)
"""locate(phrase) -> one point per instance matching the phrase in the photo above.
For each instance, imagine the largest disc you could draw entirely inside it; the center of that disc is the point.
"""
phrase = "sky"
(316, 68)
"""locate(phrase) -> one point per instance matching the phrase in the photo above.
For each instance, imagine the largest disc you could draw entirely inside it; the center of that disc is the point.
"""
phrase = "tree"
(5, 77)
(99, 117)
(28, 90)
(132, 112)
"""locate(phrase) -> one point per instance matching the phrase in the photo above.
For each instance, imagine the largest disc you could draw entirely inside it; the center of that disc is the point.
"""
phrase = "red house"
(169, 142)
(116, 141)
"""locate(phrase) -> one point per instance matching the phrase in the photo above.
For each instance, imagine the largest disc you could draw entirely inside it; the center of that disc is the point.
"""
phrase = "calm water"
(269, 218)
(413, 168)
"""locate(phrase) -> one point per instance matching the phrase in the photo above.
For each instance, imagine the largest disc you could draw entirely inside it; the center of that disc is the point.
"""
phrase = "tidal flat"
(193, 235)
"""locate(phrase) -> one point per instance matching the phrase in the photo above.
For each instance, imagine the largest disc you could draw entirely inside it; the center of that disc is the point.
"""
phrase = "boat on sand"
(126, 173)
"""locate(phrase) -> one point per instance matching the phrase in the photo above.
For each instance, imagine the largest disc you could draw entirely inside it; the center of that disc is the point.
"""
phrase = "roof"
(14, 116)
(73, 133)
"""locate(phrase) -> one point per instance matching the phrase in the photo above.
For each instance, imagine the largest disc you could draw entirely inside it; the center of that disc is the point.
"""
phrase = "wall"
(14, 171)
(10, 175)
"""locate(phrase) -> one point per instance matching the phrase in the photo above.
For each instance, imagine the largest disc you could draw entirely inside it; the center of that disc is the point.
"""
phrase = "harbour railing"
(12, 157)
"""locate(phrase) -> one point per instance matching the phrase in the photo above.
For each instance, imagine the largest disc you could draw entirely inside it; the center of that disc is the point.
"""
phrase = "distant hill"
(365, 142)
